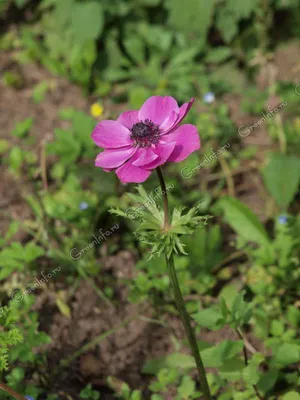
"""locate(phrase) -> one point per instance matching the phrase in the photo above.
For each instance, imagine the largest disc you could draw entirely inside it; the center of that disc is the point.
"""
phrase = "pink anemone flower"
(140, 141)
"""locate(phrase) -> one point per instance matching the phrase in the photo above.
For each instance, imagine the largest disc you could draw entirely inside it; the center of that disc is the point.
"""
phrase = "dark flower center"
(144, 134)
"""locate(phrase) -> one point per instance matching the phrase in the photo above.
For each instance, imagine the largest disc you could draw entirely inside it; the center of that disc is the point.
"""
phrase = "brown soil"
(17, 105)
(122, 354)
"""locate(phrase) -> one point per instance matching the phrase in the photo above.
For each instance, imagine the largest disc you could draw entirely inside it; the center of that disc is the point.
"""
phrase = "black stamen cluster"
(144, 134)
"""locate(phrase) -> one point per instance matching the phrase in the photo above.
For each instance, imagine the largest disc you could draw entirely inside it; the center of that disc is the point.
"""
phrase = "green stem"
(180, 302)
(165, 196)
(188, 327)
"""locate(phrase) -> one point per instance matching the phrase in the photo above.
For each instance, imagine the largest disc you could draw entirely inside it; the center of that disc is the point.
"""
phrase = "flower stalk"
(10, 391)
(165, 196)
(185, 318)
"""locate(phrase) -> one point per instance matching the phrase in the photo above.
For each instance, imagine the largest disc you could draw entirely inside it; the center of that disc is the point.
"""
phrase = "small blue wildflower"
(29, 398)
(282, 219)
(83, 206)
(209, 97)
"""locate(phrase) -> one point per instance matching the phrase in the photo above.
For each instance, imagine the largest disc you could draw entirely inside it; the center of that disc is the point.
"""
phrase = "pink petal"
(129, 118)
(145, 156)
(163, 150)
(111, 135)
(187, 141)
(109, 159)
(183, 110)
(158, 108)
(129, 173)
(169, 122)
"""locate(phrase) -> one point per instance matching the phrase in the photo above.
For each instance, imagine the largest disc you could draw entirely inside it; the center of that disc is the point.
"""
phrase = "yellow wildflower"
(96, 110)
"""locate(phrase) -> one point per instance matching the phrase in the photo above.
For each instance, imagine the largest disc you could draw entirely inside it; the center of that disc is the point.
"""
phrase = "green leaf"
(197, 17)
(174, 360)
(4, 145)
(87, 21)
(156, 397)
(241, 311)
(180, 58)
(63, 307)
(227, 24)
(229, 15)
(282, 177)
(16, 158)
(251, 373)
(218, 54)
(12, 230)
(35, 205)
(137, 95)
(136, 395)
(186, 388)
(287, 354)
(32, 252)
(89, 393)
(17, 375)
(209, 318)
(291, 396)
(229, 293)
(153, 366)
(243, 221)
(268, 380)
(242, 8)
(218, 355)
(40, 91)
(277, 328)
(65, 146)
(293, 316)
(22, 128)
(150, 3)
(232, 369)
(180, 360)
(135, 47)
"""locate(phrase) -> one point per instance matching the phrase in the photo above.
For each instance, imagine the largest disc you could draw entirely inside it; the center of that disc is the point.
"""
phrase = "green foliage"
(89, 393)
(217, 317)
(123, 391)
(282, 178)
(151, 229)
(196, 18)
(205, 249)
(19, 337)
(13, 79)
(72, 143)
(235, 375)
(22, 128)
(9, 336)
(18, 257)
(240, 217)
(87, 21)
(286, 354)
(143, 45)
(216, 124)
(40, 91)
